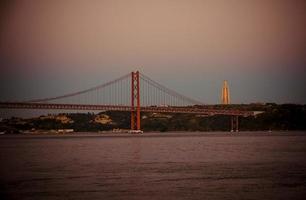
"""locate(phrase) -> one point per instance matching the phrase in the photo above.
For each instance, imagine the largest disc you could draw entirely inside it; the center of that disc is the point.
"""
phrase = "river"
(216, 165)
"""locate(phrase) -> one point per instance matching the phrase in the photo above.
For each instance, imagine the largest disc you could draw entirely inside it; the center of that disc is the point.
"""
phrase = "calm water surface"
(154, 166)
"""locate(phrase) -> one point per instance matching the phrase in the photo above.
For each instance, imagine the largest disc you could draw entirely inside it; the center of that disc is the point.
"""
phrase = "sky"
(52, 47)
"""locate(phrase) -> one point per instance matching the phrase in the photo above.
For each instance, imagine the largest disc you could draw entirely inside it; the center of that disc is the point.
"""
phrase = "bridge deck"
(158, 109)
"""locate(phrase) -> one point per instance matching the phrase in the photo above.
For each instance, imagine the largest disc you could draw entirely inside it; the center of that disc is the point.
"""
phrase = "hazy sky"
(51, 47)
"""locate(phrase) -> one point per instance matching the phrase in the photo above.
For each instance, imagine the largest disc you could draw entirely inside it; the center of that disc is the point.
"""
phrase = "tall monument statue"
(225, 97)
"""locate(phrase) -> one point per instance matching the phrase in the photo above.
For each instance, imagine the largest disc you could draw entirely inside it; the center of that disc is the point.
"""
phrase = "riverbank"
(270, 117)
(157, 134)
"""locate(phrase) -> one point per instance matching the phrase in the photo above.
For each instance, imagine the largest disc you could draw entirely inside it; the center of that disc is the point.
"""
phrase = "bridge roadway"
(157, 109)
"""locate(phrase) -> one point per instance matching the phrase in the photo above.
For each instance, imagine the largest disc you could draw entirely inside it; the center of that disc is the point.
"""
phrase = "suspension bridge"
(135, 93)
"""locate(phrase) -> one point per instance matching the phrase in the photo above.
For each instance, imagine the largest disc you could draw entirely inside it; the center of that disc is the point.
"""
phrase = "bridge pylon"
(235, 123)
(135, 101)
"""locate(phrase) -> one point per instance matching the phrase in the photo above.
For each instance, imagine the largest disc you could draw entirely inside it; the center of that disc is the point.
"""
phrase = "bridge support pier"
(135, 101)
(235, 123)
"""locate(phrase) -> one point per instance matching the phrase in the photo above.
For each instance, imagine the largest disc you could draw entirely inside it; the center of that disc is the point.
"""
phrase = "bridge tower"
(235, 123)
(225, 96)
(135, 101)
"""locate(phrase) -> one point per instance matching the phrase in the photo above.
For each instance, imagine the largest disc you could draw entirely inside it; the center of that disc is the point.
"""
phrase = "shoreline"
(155, 134)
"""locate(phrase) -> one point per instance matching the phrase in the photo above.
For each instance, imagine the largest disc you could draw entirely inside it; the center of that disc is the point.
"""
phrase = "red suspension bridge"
(134, 93)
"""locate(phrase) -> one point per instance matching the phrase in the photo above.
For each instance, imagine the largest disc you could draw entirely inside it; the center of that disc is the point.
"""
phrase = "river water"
(154, 166)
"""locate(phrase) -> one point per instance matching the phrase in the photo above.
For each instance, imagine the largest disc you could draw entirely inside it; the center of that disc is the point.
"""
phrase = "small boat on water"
(135, 131)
